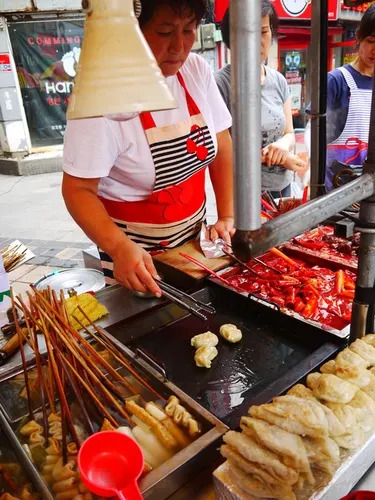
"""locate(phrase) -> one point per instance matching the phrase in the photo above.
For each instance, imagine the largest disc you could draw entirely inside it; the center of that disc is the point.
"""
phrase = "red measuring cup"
(110, 464)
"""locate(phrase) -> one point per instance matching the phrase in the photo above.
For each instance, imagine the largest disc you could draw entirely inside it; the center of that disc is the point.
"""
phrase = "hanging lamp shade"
(117, 73)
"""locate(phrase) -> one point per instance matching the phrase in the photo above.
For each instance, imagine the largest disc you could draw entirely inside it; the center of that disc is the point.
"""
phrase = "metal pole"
(364, 301)
(247, 245)
(245, 30)
(319, 43)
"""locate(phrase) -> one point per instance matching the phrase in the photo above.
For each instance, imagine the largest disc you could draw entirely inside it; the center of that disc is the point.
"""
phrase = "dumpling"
(348, 357)
(204, 339)
(286, 445)
(369, 339)
(231, 333)
(295, 415)
(335, 427)
(356, 375)
(366, 351)
(204, 355)
(266, 459)
(331, 388)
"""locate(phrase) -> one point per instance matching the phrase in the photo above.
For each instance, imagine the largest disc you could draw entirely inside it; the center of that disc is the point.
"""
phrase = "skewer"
(90, 372)
(267, 265)
(205, 268)
(56, 375)
(102, 361)
(77, 394)
(28, 392)
(91, 393)
(39, 372)
(118, 354)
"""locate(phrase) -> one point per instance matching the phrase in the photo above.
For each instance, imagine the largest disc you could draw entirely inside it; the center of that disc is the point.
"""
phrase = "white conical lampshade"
(117, 72)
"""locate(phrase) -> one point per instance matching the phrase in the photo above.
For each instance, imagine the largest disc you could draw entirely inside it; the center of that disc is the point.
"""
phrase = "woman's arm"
(221, 174)
(132, 266)
(277, 152)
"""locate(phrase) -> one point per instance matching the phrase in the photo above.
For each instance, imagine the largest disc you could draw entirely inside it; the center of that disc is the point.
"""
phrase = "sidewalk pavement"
(32, 210)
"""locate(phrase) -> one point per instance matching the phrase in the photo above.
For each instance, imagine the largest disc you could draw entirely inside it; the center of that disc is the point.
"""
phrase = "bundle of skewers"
(12, 256)
(86, 387)
(272, 208)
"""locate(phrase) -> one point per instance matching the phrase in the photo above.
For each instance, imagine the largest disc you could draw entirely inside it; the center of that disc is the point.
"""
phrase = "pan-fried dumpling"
(330, 388)
(369, 339)
(257, 489)
(288, 446)
(348, 357)
(204, 355)
(255, 472)
(204, 339)
(296, 416)
(329, 367)
(335, 428)
(356, 375)
(365, 407)
(231, 333)
(366, 351)
(323, 453)
(370, 388)
(351, 441)
(267, 460)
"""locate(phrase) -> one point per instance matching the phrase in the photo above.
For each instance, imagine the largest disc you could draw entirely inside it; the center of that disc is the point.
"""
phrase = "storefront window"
(46, 55)
(293, 66)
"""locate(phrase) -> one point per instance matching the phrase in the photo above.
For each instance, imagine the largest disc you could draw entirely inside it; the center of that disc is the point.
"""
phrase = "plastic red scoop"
(110, 464)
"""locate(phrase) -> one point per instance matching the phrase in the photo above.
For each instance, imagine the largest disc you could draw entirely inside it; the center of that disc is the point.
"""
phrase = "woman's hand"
(296, 164)
(274, 154)
(224, 229)
(134, 269)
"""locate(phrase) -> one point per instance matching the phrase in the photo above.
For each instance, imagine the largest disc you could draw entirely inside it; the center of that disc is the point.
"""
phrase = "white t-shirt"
(118, 152)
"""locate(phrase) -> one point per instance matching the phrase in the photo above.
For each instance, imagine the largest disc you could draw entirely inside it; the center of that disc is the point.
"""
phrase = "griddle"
(274, 354)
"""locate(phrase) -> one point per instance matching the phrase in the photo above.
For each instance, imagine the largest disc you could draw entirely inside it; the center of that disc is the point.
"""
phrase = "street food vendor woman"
(139, 185)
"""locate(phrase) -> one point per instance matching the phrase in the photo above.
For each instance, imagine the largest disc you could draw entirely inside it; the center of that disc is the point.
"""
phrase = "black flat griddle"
(274, 354)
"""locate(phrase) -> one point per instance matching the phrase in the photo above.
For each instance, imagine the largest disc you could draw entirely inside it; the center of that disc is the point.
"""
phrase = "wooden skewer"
(118, 355)
(39, 372)
(56, 374)
(27, 315)
(100, 360)
(92, 375)
(92, 394)
(77, 394)
(28, 392)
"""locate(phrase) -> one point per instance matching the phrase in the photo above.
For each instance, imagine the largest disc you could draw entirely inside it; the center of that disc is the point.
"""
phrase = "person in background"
(349, 102)
(138, 186)
(278, 140)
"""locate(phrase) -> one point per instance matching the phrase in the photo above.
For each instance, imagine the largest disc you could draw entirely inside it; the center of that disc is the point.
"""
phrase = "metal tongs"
(185, 300)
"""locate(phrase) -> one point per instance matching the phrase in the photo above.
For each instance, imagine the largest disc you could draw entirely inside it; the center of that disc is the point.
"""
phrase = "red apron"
(173, 213)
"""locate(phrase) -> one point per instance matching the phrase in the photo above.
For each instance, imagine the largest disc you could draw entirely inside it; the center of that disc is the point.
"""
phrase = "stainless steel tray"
(121, 304)
(166, 479)
(339, 334)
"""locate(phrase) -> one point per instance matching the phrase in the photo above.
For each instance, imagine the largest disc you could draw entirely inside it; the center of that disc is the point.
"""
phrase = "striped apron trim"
(173, 213)
(352, 144)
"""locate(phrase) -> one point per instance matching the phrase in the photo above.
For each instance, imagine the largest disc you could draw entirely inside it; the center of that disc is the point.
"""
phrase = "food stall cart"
(277, 351)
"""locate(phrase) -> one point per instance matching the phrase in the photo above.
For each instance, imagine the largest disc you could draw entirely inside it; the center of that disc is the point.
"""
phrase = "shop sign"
(46, 56)
(5, 62)
(301, 9)
(294, 80)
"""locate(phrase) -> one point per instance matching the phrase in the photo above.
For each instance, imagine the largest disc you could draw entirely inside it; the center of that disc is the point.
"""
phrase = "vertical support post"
(245, 29)
(364, 302)
(319, 41)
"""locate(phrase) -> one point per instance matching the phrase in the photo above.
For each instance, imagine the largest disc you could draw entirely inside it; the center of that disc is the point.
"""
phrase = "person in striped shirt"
(138, 186)
(349, 96)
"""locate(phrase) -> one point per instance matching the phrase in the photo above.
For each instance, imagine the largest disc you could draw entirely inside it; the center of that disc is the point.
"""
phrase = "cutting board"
(173, 259)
